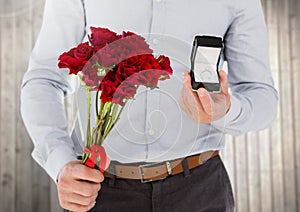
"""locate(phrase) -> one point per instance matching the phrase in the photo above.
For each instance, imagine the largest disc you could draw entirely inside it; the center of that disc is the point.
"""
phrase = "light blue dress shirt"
(153, 127)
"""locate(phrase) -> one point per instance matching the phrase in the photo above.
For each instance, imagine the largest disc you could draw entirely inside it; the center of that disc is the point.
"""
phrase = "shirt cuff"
(58, 159)
(232, 115)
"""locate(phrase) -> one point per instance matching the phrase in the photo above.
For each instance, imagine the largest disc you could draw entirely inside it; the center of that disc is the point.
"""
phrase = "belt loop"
(185, 167)
(112, 176)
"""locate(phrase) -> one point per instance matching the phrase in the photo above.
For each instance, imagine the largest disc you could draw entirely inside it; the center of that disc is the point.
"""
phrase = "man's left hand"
(202, 106)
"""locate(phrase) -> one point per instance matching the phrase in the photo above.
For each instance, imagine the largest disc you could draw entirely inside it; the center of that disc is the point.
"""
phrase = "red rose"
(127, 68)
(140, 66)
(126, 34)
(125, 91)
(116, 86)
(152, 71)
(120, 84)
(164, 63)
(149, 78)
(136, 44)
(108, 86)
(90, 76)
(149, 62)
(76, 58)
(122, 49)
(102, 36)
(111, 54)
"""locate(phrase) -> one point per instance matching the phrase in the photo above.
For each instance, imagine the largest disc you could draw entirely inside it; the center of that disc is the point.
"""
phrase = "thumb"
(187, 80)
(224, 82)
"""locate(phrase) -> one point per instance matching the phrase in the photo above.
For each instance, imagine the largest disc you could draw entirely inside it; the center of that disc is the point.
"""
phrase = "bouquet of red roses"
(114, 66)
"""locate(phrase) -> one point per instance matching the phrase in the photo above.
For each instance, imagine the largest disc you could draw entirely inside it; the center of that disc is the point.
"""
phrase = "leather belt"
(158, 171)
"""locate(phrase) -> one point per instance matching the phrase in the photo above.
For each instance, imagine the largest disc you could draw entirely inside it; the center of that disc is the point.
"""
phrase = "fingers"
(84, 188)
(187, 80)
(202, 106)
(189, 100)
(76, 202)
(188, 91)
(78, 186)
(80, 200)
(225, 90)
(224, 82)
(185, 101)
(73, 179)
(76, 207)
(205, 100)
(83, 172)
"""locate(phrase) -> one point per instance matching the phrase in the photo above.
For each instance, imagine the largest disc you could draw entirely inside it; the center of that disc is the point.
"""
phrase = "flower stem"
(96, 105)
(111, 121)
(115, 119)
(104, 120)
(88, 126)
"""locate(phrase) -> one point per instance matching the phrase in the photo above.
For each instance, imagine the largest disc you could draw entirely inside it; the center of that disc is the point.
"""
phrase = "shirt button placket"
(156, 33)
(158, 19)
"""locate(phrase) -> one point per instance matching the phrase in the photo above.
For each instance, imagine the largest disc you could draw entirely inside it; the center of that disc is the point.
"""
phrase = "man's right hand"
(78, 186)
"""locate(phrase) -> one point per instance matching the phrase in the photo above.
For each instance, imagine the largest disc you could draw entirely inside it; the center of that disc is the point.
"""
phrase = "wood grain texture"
(24, 185)
(7, 111)
(253, 171)
(286, 89)
(295, 60)
(276, 134)
(264, 159)
(264, 167)
(24, 165)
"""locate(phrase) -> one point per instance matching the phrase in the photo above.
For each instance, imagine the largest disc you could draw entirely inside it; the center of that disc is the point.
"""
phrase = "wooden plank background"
(264, 166)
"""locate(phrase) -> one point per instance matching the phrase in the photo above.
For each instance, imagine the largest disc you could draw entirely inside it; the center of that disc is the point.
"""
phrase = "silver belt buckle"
(142, 174)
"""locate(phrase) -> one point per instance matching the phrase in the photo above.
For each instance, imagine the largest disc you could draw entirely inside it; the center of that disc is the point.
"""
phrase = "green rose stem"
(110, 122)
(88, 127)
(105, 118)
(96, 105)
(114, 118)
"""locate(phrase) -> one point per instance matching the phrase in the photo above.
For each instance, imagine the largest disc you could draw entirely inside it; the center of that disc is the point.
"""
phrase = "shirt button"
(155, 41)
(151, 132)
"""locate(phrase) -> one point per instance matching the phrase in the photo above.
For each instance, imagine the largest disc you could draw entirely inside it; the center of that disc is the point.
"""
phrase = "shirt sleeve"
(254, 99)
(44, 86)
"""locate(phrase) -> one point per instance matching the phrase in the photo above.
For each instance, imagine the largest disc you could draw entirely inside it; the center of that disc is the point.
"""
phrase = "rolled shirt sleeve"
(254, 99)
(44, 87)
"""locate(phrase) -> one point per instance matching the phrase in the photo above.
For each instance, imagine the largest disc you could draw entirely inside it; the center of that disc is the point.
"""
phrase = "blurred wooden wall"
(24, 186)
(264, 166)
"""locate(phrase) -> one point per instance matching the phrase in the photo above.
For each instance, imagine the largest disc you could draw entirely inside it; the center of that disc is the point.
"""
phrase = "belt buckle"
(142, 174)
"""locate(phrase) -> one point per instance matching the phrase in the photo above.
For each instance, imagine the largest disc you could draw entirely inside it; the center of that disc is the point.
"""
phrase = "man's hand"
(202, 106)
(78, 186)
